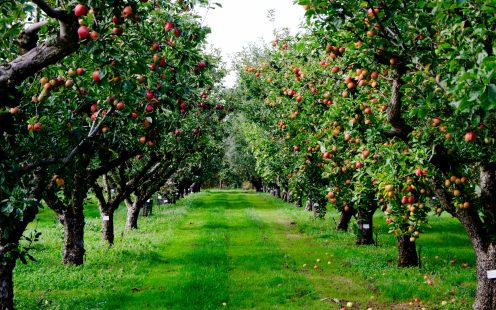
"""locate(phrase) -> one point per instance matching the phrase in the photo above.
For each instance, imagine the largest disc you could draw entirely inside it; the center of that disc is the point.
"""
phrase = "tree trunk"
(485, 298)
(365, 226)
(407, 252)
(74, 238)
(299, 202)
(308, 205)
(344, 219)
(6, 283)
(108, 226)
(133, 209)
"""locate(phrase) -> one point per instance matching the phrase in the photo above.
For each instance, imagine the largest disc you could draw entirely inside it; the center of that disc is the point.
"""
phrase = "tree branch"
(51, 12)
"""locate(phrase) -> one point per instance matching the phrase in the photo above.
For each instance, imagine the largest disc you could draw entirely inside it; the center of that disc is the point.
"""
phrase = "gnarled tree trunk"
(345, 218)
(74, 237)
(133, 209)
(108, 226)
(407, 252)
(365, 226)
(6, 282)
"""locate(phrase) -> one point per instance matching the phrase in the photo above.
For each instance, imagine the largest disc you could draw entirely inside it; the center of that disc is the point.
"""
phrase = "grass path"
(237, 250)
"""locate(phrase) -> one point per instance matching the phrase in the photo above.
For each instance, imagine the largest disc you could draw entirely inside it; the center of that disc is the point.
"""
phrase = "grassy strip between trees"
(243, 250)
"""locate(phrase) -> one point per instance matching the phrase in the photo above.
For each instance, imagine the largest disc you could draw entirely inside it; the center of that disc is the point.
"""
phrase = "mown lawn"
(242, 250)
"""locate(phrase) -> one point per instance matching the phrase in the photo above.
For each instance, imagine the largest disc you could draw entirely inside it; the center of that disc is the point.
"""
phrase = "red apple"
(168, 26)
(37, 126)
(80, 10)
(117, 31)
(296, 148)
(96, 76)
(94, 35)
(470, 136)
(142, 139)
(121, 106)
(83, 32)
(79, 71)
(149, 95)
(127, 11)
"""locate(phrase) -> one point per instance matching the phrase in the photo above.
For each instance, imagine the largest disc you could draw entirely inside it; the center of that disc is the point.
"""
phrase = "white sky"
(240, 22)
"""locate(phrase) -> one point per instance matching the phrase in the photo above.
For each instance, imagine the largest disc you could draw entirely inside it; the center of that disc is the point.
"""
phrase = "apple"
(330, 195)
(94, 35)
(105, 129)
(149, 95)
(358, 164)
(117, 31)
(367, 110)
(299, 99)
(142, 139)
(37, 126)
(127, 11)
(162, 62)
(404, 199)
(177, 33)
(117, 20)
(96, 76)
(80, 71)
(80, 10)
(177, 131)
(59, 181)
(370, 34)
(296, 148)
(121, 106)
(83, 32)
(196, 131)
(470, 136)
(168, 26)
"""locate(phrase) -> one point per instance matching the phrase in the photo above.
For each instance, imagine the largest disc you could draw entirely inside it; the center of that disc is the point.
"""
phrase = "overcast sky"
(240, 22)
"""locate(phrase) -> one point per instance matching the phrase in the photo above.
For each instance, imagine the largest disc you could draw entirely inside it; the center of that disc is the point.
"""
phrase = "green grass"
(242, 250)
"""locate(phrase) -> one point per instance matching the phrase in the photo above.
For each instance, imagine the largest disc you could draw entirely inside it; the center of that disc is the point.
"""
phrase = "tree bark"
(308, 205)
(108, 226)
(344, 219)
(407, 252)
(6, 283)
(133, 209)
(365, 226)
(485, 298)
(298, 202)
(74, 237)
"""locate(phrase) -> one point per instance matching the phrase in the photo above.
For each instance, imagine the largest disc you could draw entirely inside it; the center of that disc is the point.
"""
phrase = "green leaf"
(7, 209)
(488, 98)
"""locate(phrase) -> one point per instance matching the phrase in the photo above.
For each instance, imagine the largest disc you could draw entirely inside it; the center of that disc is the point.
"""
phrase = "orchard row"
(382, 105)
(117, 100)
